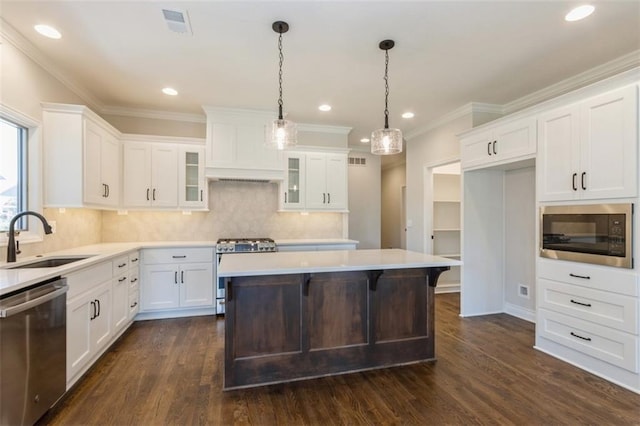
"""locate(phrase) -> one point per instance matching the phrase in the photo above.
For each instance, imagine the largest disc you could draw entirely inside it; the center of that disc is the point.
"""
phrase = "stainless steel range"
(238, 245)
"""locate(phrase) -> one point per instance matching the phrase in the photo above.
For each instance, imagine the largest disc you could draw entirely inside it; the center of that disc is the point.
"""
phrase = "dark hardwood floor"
(170, 372)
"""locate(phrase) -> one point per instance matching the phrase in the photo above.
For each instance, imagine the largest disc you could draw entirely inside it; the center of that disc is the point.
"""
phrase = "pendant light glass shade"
(281, 134)
(386, 141)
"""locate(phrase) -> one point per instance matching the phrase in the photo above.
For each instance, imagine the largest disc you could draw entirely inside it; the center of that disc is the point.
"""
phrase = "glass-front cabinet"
(193, 184)
(293, 185)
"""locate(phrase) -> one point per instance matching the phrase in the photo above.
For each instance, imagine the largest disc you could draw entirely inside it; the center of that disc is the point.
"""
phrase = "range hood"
(247, 175)
(236, 147)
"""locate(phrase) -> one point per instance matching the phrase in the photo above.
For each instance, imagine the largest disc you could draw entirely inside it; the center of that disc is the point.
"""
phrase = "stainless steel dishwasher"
(33, 348)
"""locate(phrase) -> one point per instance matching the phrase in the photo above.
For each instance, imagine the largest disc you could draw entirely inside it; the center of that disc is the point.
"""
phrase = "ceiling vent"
(177, 21)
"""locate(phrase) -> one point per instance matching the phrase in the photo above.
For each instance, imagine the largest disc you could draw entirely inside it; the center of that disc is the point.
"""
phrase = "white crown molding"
(135, 137)
(593, 75)
(153, 114)
(13, 37)
(341, 130)
(464, 110)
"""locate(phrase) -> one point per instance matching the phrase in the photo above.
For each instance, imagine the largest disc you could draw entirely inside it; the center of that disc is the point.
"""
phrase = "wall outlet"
(52, 224)
(523, 291)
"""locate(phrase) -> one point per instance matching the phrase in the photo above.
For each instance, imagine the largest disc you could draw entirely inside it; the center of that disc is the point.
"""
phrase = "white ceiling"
(447, 53)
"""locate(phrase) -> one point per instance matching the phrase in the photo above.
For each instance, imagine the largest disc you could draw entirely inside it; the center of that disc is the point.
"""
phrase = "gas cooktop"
(245, 245)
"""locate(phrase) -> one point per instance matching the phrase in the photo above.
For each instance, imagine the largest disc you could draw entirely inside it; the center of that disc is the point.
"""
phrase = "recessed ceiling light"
(324, 107)
(48, 31)
(579, 13)
(365, 140)
(169, 91)
(408, 115)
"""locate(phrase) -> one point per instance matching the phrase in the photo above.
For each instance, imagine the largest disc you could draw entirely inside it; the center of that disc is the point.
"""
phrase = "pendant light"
(386, 141)
(282, 133)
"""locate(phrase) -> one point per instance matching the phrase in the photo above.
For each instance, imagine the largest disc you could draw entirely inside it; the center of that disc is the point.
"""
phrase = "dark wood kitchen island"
(297, 315)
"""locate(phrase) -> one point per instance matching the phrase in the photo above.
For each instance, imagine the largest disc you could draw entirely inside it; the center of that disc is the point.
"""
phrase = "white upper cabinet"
(315, 181)
(150, 174)
(192, 184)
(505, 142)
(164, 173)
(326, 181)
(293, 187)
(236, 145)
(82, 163)
(588, 150)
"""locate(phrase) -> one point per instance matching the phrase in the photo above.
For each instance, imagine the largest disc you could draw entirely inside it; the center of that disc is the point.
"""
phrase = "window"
(13, 173)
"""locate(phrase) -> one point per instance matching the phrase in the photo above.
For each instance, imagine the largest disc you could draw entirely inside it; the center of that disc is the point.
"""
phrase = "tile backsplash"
(74, 227)
(236, 209)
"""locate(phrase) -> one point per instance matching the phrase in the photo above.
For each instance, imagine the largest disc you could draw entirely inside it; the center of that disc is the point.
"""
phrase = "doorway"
(445, 226)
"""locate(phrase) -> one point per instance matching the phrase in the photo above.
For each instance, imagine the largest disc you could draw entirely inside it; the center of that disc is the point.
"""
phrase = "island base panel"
(289, 327)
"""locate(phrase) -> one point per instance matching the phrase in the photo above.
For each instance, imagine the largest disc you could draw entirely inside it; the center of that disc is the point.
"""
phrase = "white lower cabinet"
(176, 278)
(97, 312)
(588, 315)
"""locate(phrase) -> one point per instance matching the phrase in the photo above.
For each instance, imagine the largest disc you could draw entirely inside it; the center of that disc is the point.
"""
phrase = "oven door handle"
(58, 290)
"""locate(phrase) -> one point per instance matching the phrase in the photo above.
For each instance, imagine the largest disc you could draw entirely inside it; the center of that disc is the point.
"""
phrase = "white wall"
(365, 201)
(393, 179)
(519, 237)
(434, 147)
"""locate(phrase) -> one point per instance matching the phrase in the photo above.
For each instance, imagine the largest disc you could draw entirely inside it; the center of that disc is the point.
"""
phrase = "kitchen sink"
(50, 262)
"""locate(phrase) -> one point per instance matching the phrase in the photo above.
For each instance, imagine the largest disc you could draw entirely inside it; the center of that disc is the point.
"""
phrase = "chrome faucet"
(11, 244)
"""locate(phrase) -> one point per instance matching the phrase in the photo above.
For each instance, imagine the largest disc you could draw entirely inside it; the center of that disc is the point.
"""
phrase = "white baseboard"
(178, 313)
(520, 312)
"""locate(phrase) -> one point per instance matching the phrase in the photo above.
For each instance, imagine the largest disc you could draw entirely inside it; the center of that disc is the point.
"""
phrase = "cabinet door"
(120, 302)
(192, 182)
(110, 169)
(476, 150)
(101, 329)
(558, 163)
(164, 176)
(609, 140)
(316, 181)
(94, 187)
(159, 287)
(79, 313)
(196, 284)
(137, 174)
(293, 185)
(516, 139)
(336, 173)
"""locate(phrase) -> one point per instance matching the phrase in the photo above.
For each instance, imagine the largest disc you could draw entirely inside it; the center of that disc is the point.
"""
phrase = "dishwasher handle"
(58, 289)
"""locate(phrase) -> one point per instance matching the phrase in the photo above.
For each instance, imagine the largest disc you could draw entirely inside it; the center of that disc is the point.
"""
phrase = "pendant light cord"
(280, 78)
(386, 89)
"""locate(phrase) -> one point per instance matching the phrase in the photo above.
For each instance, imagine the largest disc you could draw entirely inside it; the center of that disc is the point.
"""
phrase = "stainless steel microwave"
(600, 233)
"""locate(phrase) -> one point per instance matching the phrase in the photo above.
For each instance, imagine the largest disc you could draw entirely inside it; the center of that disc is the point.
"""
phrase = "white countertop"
(15, 279)
(251, 264)
(314, 241)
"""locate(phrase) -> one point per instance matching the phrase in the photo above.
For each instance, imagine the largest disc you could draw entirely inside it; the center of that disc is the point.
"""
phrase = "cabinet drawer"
(120, 265)
(608, 309)
(134, 303)
(597, 277)
(134, 259)
(134, 280)
(88, 278)
(612, 346)
(177, 255)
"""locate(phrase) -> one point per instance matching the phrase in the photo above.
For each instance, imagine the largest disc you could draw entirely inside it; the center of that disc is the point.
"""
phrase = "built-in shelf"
(446, 227)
